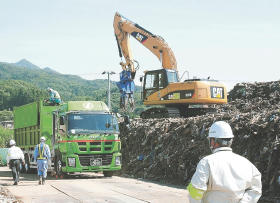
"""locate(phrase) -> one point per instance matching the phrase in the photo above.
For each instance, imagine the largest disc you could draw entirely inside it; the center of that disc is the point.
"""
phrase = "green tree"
(5, 136)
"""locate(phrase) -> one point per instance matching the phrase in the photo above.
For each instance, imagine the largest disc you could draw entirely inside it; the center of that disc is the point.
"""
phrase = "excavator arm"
(124, 28)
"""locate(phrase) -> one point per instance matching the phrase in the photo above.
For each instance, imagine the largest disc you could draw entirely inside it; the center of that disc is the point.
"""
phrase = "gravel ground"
(7, 197)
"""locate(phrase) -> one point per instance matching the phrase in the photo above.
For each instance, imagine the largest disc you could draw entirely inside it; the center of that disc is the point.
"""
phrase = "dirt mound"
(169, 149)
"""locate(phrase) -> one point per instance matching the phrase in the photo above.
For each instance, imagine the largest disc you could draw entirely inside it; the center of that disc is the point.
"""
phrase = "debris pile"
(169, 149)
(7, 197)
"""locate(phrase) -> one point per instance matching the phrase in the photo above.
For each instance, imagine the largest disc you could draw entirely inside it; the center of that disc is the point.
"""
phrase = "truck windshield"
(171, 76)
(92, 123)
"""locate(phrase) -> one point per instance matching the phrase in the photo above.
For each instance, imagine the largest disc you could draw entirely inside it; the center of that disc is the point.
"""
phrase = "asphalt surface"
(90, 188)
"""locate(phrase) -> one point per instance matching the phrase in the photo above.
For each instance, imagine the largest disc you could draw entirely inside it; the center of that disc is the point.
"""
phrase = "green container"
(26, 116)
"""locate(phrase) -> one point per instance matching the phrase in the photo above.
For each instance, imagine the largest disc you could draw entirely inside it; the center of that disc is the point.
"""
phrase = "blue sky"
(229, 40)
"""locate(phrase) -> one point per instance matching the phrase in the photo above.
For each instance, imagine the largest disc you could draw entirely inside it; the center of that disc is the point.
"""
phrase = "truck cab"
(86, 138)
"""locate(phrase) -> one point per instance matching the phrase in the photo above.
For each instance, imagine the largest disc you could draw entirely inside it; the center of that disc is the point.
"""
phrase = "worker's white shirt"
(14, 152)
(56, 95)
(227, 178)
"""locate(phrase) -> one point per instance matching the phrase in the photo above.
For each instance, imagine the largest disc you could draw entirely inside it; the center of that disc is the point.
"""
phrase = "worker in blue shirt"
(42, 154)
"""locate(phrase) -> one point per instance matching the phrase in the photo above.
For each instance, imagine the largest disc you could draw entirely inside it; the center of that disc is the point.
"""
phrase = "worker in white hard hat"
(15, 158)
(54, 96)
(42, 154)
(224, 176)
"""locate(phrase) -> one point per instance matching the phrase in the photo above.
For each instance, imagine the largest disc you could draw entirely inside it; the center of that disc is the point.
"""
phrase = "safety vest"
(41, 152)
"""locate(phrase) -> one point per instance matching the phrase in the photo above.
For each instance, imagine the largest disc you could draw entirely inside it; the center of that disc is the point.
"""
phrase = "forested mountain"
(16, 93)
(48, 69)
(23, 84)
(69, 86)
(25, 63)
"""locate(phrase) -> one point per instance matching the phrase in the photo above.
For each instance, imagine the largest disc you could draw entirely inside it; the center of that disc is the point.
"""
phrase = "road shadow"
(5, 173)
(155, 182)
(32, 176)
(80, 176)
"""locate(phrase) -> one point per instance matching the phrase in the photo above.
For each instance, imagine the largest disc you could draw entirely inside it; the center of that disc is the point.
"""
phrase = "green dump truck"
(83, 136)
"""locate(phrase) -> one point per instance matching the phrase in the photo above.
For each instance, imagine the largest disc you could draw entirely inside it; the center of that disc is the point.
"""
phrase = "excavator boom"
(156, 44)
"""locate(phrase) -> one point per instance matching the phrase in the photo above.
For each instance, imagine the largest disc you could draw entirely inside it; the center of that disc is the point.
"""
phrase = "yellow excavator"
(162, 87)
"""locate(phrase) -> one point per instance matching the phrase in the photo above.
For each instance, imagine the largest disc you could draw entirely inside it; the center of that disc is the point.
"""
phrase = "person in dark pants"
(14, 157)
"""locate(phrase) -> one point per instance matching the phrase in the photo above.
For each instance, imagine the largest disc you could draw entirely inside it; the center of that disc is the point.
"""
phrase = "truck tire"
(27, 164)
(58, 166)
(108, 173)
(26, 167)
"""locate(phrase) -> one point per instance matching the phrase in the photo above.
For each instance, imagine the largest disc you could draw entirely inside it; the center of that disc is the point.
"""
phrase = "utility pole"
(109, 87)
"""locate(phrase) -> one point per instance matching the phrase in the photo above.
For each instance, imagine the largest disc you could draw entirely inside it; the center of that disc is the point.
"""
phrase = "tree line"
(20, 85)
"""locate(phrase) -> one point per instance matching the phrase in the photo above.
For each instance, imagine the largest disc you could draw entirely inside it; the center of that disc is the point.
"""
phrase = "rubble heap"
(169, 149)
(7, 197)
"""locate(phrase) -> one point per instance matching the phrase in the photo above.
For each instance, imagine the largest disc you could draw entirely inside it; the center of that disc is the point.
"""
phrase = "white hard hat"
(220, 129)
(12, 142)
(43, 139)
(49, 89)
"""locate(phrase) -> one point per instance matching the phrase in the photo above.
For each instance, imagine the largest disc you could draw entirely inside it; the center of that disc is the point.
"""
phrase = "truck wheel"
(21, 168)
(108, 173)
(58, 167)
(27, 164)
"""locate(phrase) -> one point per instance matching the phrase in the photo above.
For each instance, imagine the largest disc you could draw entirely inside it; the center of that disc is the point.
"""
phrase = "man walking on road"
(14, 157)
(224, 176)
(42, 154)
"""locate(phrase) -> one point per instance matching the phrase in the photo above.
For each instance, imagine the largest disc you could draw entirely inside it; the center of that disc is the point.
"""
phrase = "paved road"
(90, 188)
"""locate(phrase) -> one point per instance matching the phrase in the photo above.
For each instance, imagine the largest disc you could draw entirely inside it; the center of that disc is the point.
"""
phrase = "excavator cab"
(156, 80)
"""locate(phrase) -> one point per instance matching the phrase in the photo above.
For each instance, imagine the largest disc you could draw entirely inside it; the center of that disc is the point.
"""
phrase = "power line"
(89, 74)
(222, 80)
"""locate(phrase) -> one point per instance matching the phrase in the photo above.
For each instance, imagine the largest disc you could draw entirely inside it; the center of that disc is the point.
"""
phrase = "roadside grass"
(5, 136)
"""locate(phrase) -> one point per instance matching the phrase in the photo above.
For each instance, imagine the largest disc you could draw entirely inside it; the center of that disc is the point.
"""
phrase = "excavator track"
(166, 112)
(175, 112)
(192, 112)
(154, 113)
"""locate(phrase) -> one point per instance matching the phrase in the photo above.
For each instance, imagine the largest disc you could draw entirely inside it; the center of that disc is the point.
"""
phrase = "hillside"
(25, 63)
(70, 87)
(67, 85)
(16, 93)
